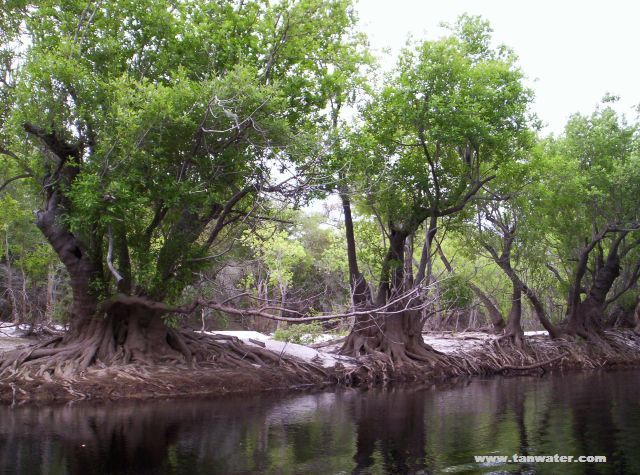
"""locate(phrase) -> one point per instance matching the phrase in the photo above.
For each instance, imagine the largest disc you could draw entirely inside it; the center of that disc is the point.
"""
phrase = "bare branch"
(113, 270)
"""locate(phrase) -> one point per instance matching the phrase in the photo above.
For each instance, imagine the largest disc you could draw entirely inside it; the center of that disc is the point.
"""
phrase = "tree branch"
(228, 207)
(467, 197)
(113, 270)
(10, 180)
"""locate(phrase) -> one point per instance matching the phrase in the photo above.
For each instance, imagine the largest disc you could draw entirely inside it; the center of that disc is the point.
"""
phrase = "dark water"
(401, 430)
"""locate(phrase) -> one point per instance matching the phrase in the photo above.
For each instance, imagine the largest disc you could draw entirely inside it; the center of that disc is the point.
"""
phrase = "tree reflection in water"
(392, 422)
(397, 430)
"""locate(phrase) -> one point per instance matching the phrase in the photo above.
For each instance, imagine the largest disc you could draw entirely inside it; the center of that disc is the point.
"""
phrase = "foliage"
(174, 122)
(300, 333)
(278, 252)
(203, 126)
(455, 293)
(452, 112)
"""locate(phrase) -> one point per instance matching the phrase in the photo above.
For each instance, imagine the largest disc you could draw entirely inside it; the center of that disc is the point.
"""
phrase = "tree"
(574, 219)
(590, 199)
(507, 227)
(152, 133)
(453, 112)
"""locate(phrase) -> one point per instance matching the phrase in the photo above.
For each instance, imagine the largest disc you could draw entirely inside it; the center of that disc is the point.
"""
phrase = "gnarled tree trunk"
(513, 329)
(125, 329)
(586, 318)
(394, 332)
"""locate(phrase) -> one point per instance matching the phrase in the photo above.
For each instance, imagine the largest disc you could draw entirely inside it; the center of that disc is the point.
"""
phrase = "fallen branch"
(528, 367)
(263, 312)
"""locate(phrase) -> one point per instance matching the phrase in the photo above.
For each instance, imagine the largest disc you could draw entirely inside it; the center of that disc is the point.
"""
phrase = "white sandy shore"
(446, 342)
(301, 352)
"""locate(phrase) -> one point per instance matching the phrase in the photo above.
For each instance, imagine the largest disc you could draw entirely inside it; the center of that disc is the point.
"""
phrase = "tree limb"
(113, 270)
(10, 180)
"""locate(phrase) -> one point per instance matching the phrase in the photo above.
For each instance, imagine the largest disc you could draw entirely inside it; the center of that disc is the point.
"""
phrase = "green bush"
(300, 333)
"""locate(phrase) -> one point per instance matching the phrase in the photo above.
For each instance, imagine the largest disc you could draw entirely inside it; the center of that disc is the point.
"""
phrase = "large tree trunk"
(587, 317)
(115, 335)
(513, 329)
(360, 297)
(359, 287)
(393, 334)
(77, 261)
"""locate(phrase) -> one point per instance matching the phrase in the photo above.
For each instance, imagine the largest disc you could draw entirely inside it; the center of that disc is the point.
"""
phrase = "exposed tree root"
(515, 336)
(503, 355)
(219, 364)
(542, 364)
(70, 364)
(381, 357)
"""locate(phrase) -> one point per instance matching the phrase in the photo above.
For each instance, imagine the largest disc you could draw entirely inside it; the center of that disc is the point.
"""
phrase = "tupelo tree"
(592, 213)
(453, 111)
(151, 128)
(574, 219)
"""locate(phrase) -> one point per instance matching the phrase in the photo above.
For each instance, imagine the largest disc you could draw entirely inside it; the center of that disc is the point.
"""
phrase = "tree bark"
(359, 287)
(513, 329)
(587, 316)
(395, 334)
(76, 260)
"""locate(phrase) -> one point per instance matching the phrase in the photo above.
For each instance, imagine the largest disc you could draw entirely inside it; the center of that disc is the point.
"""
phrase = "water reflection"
(391, 422)
(399, 430)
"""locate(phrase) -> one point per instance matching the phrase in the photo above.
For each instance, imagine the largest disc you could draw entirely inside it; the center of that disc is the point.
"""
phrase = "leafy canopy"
(181, 111)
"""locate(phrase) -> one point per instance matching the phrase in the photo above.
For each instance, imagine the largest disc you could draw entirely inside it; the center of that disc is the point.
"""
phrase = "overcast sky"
(573, 52)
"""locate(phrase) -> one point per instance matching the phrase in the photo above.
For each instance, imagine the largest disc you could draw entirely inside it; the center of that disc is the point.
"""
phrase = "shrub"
(301, 333)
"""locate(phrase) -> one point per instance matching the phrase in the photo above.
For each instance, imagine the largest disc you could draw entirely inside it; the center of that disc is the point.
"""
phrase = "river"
(399, 430)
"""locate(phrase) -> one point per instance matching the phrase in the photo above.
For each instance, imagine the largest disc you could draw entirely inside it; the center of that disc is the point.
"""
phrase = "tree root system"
(504, 355)
(55, 370)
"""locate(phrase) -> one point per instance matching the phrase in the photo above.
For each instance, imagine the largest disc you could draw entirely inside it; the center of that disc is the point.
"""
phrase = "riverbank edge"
(492, 357)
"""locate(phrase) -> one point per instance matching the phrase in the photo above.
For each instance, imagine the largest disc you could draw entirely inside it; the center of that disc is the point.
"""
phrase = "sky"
(572, 52)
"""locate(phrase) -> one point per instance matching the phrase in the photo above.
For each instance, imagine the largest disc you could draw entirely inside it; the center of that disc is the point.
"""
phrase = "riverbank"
(461, 354)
